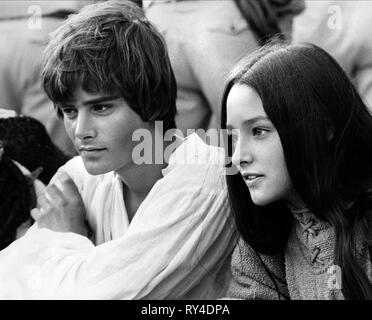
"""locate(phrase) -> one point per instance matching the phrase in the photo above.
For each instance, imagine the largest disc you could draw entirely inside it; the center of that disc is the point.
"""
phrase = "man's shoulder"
(196, 163)
(76, 170)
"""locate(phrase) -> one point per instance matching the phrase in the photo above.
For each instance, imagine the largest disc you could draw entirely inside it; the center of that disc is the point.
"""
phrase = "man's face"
(101, 127)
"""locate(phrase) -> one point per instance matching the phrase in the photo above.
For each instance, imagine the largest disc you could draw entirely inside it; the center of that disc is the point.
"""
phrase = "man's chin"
(94, 170)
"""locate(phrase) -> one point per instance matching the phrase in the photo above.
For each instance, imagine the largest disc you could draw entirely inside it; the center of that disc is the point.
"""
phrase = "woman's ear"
(329, 130)
(1, 149)
(330, 134)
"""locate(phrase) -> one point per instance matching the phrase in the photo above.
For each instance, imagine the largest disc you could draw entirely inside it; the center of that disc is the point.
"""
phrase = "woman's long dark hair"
(326, 133)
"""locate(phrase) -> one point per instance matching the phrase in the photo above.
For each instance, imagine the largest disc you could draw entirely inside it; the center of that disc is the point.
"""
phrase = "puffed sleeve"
(180, 238)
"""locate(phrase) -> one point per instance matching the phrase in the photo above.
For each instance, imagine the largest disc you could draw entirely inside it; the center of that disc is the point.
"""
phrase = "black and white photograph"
(209, 152)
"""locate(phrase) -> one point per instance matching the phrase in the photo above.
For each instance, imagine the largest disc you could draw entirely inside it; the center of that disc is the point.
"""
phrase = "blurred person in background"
(19, 193)
(24, 32)
(343, 29)
(26, 141)
(18, 197)
(206, 38)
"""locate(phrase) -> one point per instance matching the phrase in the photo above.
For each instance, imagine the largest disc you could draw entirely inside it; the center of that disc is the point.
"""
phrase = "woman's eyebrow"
(249, 121)
(255, 119)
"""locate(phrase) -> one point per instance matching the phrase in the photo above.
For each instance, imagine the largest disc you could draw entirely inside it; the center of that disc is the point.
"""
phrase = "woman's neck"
(295, 201)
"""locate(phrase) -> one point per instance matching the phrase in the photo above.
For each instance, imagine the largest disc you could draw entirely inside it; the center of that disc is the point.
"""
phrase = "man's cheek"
(69, 129)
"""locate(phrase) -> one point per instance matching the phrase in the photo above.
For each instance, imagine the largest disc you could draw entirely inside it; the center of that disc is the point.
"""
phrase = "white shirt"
(177, 246)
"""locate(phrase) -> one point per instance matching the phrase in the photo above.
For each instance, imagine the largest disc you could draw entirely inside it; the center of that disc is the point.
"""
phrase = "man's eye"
(69, 112)
(101, 107)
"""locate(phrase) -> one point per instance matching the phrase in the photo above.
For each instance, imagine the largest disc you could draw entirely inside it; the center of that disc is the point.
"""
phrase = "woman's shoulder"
(254, 274)
(252, 261)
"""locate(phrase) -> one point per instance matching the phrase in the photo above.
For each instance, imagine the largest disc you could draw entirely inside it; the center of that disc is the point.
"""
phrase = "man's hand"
(62, 211)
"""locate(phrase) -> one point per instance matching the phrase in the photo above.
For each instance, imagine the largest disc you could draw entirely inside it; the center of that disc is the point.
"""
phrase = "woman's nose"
(242, 154)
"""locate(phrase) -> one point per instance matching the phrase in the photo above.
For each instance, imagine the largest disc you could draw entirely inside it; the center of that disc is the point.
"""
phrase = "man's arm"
(179, 235)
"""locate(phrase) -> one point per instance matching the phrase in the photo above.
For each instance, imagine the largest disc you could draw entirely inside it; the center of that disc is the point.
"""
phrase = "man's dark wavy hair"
(110, 47)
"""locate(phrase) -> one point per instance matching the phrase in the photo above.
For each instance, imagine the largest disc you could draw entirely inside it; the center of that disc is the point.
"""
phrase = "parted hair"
(110, 47)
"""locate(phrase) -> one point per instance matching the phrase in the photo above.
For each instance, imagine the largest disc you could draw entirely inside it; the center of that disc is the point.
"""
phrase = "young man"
(158, 231)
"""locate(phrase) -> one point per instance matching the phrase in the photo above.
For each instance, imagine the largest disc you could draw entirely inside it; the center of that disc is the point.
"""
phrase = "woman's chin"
(260, 201)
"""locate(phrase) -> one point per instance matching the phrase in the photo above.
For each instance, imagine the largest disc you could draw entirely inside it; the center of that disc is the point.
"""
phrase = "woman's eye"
(259, 132)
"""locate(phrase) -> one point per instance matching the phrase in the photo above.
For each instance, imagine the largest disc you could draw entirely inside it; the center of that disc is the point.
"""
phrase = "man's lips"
(90, 149)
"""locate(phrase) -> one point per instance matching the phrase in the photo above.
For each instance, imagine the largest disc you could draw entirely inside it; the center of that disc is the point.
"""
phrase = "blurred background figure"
(24, 30)
(18, 195)
(206, 38)
(343, 28)
(28, 160)
(26, 141)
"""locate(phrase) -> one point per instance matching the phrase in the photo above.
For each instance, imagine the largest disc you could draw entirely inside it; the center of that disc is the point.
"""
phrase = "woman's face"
(101, 128)
(257, 149)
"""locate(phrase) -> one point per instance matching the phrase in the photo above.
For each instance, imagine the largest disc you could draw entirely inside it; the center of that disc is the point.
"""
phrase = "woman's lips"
(251, 179)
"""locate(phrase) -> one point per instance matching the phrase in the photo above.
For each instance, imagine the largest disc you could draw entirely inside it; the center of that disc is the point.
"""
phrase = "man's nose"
(84, 127)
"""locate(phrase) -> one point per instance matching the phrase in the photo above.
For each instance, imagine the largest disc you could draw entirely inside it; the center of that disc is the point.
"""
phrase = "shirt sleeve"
(181, 234)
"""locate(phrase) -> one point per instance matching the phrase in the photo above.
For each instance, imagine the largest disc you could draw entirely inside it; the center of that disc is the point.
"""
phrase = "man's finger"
(68, 186)
(54, 193)
(43, 201)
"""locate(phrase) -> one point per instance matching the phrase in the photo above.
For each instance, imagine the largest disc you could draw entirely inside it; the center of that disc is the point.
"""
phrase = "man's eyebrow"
(101, 99)
(64, 104)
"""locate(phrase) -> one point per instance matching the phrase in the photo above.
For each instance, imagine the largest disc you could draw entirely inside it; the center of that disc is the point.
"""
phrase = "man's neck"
(139, 179)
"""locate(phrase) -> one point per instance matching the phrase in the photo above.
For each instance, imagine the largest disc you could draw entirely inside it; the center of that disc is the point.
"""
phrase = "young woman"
(302, 201)
(159, 231)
